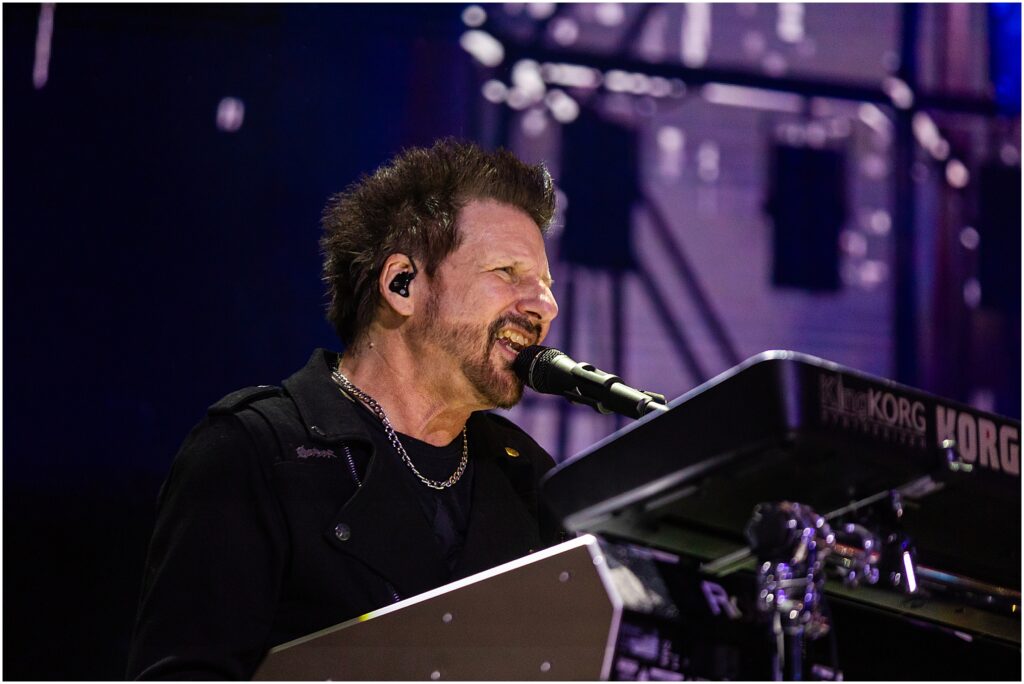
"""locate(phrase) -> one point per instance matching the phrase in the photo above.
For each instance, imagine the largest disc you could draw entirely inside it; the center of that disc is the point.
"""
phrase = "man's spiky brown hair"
(410, 206)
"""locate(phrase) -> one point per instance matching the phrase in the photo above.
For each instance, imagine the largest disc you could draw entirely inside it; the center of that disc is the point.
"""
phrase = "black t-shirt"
(447, 510)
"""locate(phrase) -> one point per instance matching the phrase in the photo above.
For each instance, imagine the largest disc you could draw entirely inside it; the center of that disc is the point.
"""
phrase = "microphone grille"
(539, 358)
(524, 360)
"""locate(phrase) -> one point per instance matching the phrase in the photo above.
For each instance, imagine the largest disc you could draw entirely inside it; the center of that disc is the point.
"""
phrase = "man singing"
(377, 474)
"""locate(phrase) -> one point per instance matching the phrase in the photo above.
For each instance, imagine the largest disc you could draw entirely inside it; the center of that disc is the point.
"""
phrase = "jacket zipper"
(352, 465)
(359, 483)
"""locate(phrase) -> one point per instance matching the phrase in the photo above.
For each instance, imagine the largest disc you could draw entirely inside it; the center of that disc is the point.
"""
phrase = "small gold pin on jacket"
(511, 452)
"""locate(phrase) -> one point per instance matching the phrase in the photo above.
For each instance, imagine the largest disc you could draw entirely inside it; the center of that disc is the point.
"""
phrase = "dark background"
(153, 263)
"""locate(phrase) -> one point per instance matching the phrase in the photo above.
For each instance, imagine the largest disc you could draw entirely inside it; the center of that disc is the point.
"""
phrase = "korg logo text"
(881, 413)
(979, 440)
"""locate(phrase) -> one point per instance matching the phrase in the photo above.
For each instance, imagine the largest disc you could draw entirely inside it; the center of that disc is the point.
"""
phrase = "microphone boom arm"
(619, 397)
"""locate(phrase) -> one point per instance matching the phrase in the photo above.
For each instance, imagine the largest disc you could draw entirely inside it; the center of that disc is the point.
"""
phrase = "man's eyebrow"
(517, 263)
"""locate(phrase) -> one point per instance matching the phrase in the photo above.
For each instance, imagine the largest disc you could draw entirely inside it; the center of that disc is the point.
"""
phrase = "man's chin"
(510, 399)
(504, 389)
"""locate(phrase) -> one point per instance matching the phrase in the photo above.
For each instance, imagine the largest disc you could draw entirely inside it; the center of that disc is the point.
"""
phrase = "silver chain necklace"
(346, 385)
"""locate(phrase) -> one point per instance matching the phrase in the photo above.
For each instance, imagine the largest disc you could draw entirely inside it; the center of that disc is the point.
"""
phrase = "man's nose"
(539, 304)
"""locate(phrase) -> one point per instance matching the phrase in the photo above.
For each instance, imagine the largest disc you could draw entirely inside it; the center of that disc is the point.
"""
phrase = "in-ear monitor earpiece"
(400, 283)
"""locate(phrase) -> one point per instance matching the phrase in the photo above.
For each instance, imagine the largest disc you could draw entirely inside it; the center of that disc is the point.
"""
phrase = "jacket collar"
(319, 400)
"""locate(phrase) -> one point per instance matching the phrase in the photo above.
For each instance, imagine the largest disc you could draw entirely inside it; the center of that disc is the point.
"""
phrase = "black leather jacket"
(263, 534)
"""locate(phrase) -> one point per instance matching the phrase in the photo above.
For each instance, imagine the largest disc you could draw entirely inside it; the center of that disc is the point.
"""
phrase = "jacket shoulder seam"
(239, 399)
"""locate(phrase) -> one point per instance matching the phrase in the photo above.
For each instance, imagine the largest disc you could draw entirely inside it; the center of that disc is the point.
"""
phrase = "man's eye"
(507, 269)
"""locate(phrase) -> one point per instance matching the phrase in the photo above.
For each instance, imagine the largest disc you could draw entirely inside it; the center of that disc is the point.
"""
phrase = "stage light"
(562, 106)
(972, 293)
(494, 91)
(853, 243)
(230, 114)
(44, 39)
(609, 13)
(707, 161)
(552, 73)
(929, 137)
(957, 174)
(970, 238)
(617, 81)
(899, 92)
(925, 130)
(527, 79)
(789, 25)
(660, 87)
(671, 139)
(565, 31)
(484, 47)
(873, 272)
(1009, 155)
(474, 16)
(696, 34)
(880, 222)
(570, 75)
(541, 10)
(639, 84)
(756, 98)
(671, 146)
(875, 119)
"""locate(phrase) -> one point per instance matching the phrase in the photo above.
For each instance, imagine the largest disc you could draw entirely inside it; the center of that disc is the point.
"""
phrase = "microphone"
(550, 371)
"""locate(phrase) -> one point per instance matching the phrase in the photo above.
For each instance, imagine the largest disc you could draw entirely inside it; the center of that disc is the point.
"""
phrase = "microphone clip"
(657, 403)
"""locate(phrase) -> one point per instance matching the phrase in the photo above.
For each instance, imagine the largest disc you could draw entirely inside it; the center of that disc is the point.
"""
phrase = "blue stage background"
(153, 263)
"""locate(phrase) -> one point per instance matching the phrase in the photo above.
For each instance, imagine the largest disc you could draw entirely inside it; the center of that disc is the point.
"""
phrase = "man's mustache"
(520, 322)
(514, 320)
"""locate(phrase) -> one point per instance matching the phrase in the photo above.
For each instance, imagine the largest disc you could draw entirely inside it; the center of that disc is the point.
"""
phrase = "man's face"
(489, 299)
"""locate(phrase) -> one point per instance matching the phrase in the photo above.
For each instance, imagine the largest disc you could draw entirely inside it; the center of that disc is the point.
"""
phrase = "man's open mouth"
(512, 340)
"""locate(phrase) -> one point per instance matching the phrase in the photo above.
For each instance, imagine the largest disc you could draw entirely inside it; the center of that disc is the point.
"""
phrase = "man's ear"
(397, 283)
